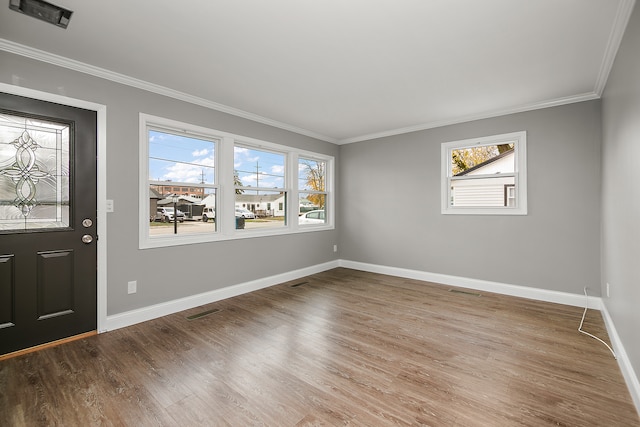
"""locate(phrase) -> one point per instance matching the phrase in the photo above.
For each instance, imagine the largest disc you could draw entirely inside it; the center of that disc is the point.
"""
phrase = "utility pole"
(258, 175)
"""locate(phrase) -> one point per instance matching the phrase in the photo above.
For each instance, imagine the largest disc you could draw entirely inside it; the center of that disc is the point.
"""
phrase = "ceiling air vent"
(43, 10)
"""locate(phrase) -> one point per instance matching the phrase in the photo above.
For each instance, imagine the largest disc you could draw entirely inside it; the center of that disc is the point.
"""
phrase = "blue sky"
(257, 168)
(180, 158)
(191, 160)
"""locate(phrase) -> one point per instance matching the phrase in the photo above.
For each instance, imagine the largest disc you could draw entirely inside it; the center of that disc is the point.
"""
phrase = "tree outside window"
(485, 175)
(312, 184)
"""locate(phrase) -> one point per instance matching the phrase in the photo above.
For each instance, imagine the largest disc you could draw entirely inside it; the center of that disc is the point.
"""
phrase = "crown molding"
(463, 119)
(82, 67)
(625, 8)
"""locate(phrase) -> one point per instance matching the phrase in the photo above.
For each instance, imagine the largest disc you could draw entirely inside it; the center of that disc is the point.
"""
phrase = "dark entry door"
(48, 253)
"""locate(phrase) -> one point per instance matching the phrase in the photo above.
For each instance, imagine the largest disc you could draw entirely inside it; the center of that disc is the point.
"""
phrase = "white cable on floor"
(587, 333)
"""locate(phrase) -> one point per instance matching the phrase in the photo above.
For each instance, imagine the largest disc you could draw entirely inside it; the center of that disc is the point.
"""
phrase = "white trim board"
(71, 64)
(143, 314)
(625, 8)
(473, 117)
(132, 317)
(623, 14)
(480, 285)
(577, 300)
(628, 372)
(163, 309)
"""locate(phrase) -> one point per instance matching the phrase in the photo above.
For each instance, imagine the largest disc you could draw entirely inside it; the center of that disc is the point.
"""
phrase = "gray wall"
(390, 204)
(621, 191)
(165, 274)
(389, 199)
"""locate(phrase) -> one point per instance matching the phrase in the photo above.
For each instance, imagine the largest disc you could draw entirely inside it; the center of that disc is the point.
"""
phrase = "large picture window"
(485, 175)
(199, 185)
(260, 187)
(182, 182)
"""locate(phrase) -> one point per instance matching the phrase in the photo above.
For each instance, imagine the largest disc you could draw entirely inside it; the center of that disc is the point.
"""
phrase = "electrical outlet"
(608, 290)
(335, 248)
(132, 287)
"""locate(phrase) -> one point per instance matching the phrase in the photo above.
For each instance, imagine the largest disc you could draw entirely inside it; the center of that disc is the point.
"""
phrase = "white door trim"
(101, 111)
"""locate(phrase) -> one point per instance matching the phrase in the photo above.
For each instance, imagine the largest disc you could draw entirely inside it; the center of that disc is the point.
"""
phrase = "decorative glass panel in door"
(34, 174)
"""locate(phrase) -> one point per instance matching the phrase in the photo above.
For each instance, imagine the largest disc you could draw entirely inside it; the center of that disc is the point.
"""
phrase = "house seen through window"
(260, 186)
(485, 175)
(201, 185)
(182, 183)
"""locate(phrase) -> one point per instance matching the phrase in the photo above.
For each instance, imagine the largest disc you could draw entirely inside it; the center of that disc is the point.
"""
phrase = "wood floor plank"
(342, 347)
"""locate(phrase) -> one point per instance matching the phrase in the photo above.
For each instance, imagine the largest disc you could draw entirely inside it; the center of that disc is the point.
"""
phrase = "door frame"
(101, 133)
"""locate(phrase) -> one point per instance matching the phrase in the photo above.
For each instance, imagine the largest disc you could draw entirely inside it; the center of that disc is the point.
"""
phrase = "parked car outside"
(166, 215)
(208, 213)
(312, 217)
(245, 213)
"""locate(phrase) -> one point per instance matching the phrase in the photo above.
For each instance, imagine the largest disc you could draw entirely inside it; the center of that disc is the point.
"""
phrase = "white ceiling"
(340, 70)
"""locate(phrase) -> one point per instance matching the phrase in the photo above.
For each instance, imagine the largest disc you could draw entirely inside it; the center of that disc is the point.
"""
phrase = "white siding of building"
(480, 192)
(484, 192)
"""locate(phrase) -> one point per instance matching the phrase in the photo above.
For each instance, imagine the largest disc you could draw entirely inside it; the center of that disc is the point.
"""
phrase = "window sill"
(484, 211)
(190, 239)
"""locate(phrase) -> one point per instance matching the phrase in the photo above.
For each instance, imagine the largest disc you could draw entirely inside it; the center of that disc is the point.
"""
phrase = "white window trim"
(520, 174)
(328, 210)
(225, 188)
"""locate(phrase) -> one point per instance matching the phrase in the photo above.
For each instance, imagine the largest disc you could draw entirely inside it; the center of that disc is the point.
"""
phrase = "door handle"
(87, 238)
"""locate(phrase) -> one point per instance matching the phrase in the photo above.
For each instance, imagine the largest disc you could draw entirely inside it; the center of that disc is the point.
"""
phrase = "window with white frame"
(199, 185)
(260, 182)
(182, 181)
(312, 195)
(485, 175)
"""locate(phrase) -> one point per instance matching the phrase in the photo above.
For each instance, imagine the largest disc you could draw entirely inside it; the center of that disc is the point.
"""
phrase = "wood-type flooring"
(342, 347)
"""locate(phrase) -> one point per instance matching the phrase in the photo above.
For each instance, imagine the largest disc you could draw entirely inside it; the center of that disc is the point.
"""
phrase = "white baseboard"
(132, 317)
(480, 285)
(525, 292)
(628, 372)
